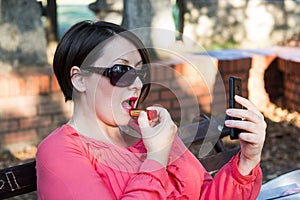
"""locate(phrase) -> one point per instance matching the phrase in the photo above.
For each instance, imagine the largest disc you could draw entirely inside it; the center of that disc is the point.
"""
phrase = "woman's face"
(112, 104)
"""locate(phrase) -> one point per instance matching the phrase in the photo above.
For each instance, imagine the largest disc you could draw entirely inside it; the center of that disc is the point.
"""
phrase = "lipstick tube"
(151, 114)
(135, 112)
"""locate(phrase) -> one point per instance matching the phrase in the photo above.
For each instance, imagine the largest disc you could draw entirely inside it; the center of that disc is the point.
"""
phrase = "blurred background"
(258, 40)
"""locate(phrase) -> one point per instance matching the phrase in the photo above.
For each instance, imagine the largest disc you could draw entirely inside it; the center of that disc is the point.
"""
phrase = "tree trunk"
(152, 21)
(22, 38)
(51, 21)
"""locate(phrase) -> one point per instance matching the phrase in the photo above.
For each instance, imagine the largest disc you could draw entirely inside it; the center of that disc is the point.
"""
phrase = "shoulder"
(57, 144)
(56, 138)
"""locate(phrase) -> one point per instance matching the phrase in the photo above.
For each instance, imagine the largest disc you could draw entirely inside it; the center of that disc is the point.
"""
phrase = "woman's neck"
(94, 128)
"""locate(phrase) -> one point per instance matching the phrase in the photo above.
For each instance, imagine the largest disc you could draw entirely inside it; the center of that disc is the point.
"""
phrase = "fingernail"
(227, 122)
(228, 111)
(237, 96)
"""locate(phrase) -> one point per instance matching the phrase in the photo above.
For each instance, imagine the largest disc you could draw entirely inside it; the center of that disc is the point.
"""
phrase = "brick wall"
(289, 65)
(31, 104)
(184, 87)
(231, 63)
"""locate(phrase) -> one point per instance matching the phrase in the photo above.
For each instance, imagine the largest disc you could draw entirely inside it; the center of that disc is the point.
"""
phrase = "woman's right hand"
(158, 135)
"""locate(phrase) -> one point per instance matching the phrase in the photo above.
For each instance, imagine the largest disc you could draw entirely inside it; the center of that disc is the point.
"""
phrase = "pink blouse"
(72, 166)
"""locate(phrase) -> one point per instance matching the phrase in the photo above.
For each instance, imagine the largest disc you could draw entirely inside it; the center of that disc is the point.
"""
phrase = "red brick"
(35, 122)
(205, 100)
(23, 86)
(223, 65)
(51, 108)
(45, 131)
(218, 109)
(4, 87)
(167, 95)
(243, 65)
(199, 91)
(153, 96)
(188, 102)
(175, 114)
(191, 113)
(164, 104)
(288, 94)
(188, 70)
(170, 73)
(44, 84)
(292, 67)
(183, 92)
(232, 67)
(218, 88)
(60, 119)
(179, 67)
(57, 97)
(19, 111)
(177, 83)
(205, 109)
(159, 74)
(8, 125)
(20, 136)
(33, 85)
(155, 87)
(297, 78)
(281, 64)
(14, 86)
(175, 104)
(54, 84)
(183, 81)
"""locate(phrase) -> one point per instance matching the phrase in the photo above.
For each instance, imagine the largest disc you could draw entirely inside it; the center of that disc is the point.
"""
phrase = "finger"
(143, 120)
(248, 137)
(244, 125)
(248, 115)
(251, 138)
(152, 115)
(154, 118)
(162, 113)
(247, 104)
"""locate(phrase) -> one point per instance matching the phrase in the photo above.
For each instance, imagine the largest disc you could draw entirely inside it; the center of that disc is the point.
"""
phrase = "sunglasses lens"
(122, 76)
(143, 74)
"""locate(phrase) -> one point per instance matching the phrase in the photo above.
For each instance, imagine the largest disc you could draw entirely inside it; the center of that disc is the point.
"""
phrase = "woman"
(103, 69)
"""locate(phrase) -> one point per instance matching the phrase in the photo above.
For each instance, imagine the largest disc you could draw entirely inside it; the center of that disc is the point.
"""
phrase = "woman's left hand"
(253, 135)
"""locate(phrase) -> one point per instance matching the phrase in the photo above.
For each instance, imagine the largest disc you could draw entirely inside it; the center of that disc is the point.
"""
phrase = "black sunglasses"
(120, 75)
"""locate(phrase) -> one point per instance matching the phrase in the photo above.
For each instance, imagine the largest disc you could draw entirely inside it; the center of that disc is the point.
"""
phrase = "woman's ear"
(77, 79)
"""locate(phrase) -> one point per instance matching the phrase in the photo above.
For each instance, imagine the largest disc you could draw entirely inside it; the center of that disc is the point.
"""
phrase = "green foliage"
(230, 44)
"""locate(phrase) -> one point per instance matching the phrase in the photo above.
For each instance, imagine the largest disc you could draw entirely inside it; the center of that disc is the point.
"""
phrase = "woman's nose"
(137, 84)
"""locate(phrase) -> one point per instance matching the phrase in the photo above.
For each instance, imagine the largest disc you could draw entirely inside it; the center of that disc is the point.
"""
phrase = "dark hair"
(80, 40)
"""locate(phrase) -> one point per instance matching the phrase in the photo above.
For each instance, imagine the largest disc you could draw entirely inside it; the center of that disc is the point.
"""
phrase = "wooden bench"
(21, 179)
(17, 180)
(204, 137)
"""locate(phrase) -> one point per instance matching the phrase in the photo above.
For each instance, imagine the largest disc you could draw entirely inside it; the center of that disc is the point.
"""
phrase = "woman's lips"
(129, 104)
(132, 101)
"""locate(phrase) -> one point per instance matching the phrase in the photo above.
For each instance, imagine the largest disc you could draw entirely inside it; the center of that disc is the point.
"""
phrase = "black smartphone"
(235, 88)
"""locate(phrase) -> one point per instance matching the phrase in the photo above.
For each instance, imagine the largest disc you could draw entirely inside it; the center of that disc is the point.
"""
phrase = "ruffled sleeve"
(229, 183)
(192, 181)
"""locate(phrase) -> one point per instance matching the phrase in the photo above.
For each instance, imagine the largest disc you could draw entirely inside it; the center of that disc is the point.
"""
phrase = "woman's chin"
(123, 120)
